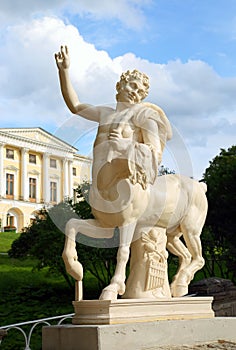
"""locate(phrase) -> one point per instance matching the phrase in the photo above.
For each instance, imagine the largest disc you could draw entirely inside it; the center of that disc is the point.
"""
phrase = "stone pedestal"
(131, 324)
(139, 336)
(91, 312)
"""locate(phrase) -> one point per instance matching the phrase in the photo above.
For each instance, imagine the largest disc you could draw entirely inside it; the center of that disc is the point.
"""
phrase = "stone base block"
(139, 336)
(91, 312)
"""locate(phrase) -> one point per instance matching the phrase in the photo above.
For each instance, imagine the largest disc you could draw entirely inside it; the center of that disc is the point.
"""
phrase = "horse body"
(175, 203)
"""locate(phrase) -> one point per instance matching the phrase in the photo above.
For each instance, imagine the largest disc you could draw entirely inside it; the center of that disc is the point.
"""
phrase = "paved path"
(220, 345)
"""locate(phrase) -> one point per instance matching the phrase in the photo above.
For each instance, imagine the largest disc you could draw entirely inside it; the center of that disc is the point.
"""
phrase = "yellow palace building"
(37, 170)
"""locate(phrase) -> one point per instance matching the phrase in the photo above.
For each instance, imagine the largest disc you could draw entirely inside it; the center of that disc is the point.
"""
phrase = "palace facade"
(37, 170)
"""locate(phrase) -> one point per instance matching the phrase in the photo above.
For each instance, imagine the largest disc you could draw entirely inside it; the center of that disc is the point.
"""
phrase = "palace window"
(53, 192)
(9, 185)
(32, 158)
(74, 171)
(32, 189)
(53, 163)
(9, 153)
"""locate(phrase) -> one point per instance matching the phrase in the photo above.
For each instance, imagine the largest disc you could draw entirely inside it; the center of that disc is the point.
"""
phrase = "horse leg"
(117, 285)
(193, 242)
(191, 232)
(186, 274)
(191, 227)
(90, 228)
(176, 247)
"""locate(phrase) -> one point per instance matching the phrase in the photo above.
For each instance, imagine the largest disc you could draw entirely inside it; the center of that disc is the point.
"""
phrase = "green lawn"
(6, 239)
(22, 284)
(27, 294)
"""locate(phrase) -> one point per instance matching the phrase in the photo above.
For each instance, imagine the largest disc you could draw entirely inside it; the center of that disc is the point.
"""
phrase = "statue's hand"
(62, 58)
(115, 134)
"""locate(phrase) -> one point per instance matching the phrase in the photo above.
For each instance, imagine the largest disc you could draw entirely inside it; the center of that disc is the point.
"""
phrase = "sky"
(186, 47)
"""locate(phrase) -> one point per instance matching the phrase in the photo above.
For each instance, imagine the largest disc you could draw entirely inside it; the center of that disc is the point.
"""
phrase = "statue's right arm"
(70, 97)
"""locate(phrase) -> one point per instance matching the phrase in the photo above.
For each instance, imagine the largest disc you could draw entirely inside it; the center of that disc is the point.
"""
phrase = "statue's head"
(133, 87)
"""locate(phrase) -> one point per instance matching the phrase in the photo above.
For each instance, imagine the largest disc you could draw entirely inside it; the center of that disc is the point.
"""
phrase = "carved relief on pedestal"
(156, 255)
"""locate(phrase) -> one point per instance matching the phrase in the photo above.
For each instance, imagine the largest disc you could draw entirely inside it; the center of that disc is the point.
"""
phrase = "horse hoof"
(109, 293)
(118, 284)
(122, 288)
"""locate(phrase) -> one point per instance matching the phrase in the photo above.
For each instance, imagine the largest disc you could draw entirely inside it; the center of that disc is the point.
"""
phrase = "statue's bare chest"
(122, 121)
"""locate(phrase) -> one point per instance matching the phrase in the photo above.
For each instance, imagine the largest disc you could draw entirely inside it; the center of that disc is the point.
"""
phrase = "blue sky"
(186, 29)
(187, 47)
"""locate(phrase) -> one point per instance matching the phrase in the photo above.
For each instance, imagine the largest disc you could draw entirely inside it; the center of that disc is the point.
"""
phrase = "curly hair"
(134, 75)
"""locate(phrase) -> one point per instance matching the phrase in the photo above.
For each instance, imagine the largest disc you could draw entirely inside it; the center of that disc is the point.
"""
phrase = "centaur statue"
(152, 212)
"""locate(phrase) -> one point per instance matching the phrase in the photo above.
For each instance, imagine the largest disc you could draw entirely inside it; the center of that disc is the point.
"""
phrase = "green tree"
(219, 236)
(165, 171)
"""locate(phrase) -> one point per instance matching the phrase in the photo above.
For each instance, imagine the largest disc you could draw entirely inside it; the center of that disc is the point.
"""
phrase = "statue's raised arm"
(70, 97)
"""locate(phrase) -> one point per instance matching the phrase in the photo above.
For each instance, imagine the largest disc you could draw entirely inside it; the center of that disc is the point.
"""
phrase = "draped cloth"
(143, 160)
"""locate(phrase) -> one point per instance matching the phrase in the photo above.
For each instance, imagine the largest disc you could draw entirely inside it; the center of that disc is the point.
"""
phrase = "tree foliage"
(220, 228)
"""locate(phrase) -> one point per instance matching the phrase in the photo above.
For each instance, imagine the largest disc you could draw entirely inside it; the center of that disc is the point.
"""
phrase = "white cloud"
(200, 103)
(128, 12)
(29, 84)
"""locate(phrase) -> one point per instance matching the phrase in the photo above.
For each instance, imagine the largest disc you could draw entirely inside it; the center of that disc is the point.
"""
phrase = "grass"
(6, 239)
(27, 294)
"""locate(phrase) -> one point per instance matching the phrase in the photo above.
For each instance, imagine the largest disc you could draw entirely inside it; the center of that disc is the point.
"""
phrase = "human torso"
(124, 120)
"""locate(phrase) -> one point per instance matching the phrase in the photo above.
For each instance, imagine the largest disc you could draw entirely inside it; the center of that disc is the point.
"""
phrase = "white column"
(24, 177)
(70, 179)
(46, 187)
(2, 180)
(65, 178)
